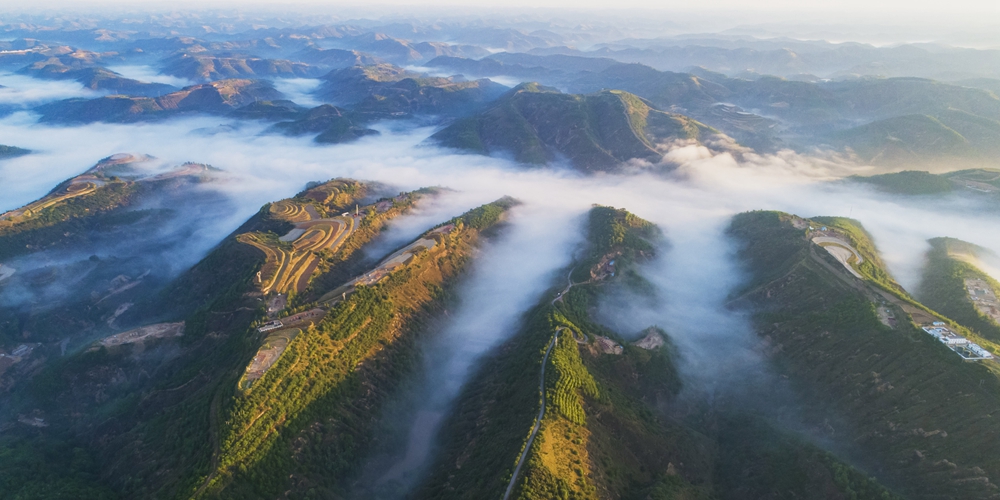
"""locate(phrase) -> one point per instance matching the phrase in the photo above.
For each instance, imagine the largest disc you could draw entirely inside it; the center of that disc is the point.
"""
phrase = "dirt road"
(538, 421)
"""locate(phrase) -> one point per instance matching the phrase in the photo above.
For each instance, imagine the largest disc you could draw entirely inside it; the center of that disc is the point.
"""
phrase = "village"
(962, 346)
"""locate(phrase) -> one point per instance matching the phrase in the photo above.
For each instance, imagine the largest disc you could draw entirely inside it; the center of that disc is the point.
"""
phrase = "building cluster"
(959, 344)
(270, 325)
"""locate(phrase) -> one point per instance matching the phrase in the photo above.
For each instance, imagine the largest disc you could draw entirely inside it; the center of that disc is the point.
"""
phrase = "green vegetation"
(282, 425)
(894, 393)
(605, 433)
(942, 286)
(594, 132)
(48, 468)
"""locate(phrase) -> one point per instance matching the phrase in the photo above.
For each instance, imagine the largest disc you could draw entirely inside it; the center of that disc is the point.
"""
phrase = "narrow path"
(538, 421)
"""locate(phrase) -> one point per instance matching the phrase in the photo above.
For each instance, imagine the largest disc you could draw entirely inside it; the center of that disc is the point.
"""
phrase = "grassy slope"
(942, 285)
(919, 413)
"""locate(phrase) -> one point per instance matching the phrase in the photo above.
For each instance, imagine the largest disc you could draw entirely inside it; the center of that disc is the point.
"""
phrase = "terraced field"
(290, 211)
(75, 189)
(294, 264)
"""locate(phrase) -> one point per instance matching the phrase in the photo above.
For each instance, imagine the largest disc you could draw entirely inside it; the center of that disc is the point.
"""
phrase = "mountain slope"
(151, 409)
(593, 132)
(607, 430)
(951, 280)
(914, 410)
(343, 366)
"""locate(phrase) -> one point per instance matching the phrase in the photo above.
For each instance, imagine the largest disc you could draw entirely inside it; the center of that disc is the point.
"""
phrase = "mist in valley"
(691, 196)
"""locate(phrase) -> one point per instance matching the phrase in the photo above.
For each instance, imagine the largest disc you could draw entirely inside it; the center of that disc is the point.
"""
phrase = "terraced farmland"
(294, 264)
(290, 211)
(76, 188)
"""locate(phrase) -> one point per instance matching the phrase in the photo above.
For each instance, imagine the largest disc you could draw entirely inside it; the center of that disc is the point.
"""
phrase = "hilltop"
(384, 91)
(200, 67)
(94, 78)
(594, 132)
(330, 123)
(218, 97)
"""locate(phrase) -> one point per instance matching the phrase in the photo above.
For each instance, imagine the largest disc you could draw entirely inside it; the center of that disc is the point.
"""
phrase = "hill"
(94, 78)
(218, 97)
(12, 152)
(52, 275)
(915, 182)
(611, 424)
(857, 360)
(953, 284)
(594, 132)
(199, 67)
(330, 123)
(385, 91)
(200, 386)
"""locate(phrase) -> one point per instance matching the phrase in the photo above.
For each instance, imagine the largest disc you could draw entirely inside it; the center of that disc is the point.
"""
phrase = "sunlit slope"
(305, 424)
(152, 416)
(953, 284)
(537, 125)
(98, 200)
(609, 429)
(918, 414)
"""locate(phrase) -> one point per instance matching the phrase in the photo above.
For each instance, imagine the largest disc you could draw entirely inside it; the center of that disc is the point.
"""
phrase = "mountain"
(95, 78)
(332, 124)
(334, 58)
(399, 51)
(924, 140)
(12, 152)
(206, 68)
(848, 336)
(609, 422)
(916, 182)
(384, 91)
(953, 283)
(73, 263)
(594, 132)
(262, 368)
(218, 97)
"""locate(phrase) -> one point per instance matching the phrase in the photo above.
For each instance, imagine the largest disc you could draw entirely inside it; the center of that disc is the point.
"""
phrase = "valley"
(498, 252)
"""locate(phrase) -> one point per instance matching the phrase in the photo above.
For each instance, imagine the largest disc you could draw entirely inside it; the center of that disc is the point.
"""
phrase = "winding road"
(538, 421)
